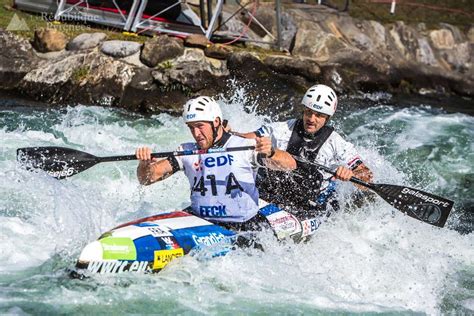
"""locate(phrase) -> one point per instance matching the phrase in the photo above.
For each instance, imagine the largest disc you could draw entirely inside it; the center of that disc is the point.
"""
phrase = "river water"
(363, 260)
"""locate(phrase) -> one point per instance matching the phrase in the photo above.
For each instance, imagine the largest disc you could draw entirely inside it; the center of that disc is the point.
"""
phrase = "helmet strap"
(215, 131)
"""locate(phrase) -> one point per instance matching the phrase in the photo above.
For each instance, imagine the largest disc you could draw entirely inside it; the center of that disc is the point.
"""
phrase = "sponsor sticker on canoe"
(163, 257)
(158, 231)
(117, 266)
(310, 226)
(118, 248)
(168, 242)
(284, 224)
(209, 239)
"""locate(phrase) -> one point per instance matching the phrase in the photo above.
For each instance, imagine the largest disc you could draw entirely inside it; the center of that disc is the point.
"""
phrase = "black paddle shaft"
(62, 162)
(418, 204)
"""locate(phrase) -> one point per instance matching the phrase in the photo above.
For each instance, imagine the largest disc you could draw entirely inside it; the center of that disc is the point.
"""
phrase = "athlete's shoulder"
(340, 145)
(235, 140)
(289, 124)
(276, 128)
(336, 138)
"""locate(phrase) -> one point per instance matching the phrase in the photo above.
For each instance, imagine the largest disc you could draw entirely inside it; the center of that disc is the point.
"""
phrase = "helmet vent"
(199, 109)
(327, 103)
(333, 95)
(329, 97)
(309, 95)
(318, 98)
(207, 100)
(312, 90)
(202, 103)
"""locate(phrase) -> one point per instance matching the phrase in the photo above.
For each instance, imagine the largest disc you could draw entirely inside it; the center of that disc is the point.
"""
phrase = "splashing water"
(368, 259)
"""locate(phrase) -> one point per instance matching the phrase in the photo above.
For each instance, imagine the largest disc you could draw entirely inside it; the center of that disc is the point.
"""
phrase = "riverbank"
(322, 46)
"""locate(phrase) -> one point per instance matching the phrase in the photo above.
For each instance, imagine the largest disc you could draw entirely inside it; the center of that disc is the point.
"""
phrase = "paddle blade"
(418, 204)
(58, 162)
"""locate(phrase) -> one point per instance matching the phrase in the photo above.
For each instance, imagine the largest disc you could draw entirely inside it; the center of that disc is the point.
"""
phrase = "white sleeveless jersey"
(222, 184)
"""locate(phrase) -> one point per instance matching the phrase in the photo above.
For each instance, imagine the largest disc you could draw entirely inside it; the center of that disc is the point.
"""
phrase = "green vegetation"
(176, 86)
(71, 29)
(80, 74)
(166, 64)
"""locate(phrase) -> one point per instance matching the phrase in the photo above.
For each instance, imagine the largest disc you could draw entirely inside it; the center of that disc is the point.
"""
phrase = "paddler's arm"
(151, 170)
(275, 158)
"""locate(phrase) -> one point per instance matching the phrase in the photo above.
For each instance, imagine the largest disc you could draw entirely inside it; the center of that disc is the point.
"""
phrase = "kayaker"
(222, 185)
(308, 191)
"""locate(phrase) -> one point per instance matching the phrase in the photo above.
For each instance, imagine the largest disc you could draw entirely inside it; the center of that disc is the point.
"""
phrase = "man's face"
(202, 133)
(313, 121)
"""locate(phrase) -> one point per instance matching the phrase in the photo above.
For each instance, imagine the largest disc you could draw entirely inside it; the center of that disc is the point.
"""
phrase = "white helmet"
(201, 109)
(320, 98)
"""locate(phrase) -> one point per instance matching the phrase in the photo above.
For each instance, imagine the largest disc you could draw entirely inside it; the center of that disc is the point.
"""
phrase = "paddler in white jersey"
(222, 184)
(307, 191)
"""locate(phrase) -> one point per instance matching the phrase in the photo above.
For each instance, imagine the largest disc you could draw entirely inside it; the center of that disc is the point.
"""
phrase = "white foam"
(372, 259)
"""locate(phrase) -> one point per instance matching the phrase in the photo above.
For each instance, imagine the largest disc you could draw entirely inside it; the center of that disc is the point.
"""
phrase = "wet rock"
(141, 93)
(459, 57)
(197, 41)
(160, 49)
(442, 39)
(405, 39)
(49, 40)
(234, 27)
(267, 29)
(218, 51)
(470, 35)
(458, 36)
(424, 53)
(86, 41)
(356, 34)
(17, 58)
(273, 92)
(288, 31)
(304, 67)
(244, 64)
(359, 72)
(88, 77)
(191, 72)
(120, 49)
(313, 42)
(378, 34)
(265, 17)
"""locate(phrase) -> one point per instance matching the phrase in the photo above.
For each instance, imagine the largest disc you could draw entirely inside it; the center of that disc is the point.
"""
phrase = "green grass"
(35, 21)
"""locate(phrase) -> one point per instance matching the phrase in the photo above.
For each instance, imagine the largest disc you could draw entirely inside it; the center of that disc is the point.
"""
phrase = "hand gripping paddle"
(418, 204)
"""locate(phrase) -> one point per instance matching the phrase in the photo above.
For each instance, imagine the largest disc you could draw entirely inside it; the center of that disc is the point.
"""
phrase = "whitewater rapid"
(369, 259)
